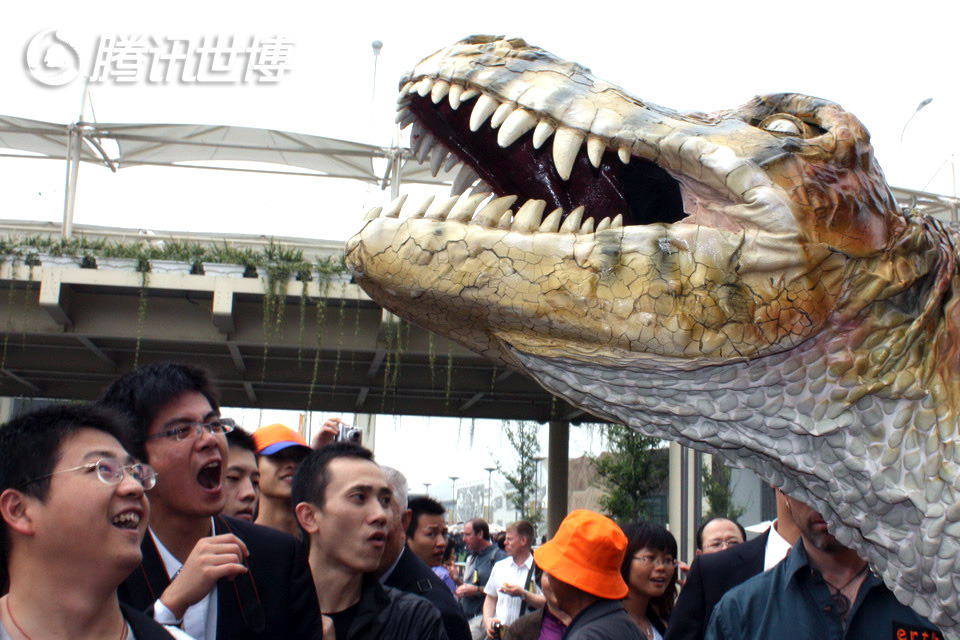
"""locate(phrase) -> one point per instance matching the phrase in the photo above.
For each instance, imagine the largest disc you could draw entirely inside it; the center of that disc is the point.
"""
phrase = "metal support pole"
(558, 463)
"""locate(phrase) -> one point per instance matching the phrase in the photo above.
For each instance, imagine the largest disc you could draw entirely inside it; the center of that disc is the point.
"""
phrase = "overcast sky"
(878, 60)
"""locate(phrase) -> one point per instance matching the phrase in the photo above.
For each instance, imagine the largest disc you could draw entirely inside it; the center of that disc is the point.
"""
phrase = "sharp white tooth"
(425, 86)
(566, 144)
(451, 162)
(595, 148)
(517, 124)
(372, 214)
(406, 88)
(501, 114)
(617, 222)
(505, 220)
(402, 113)
(552, 222)
(481, 187)
(436, 159)
(407, 120)
(464, 179)
(587, 227)
(604, 225)
(624, 153)
(469, 94)
(424, 149)
(543, 131)
(439, 91)
(417, 134)
(466, 208)
(490, 215)
(482, 110)
(422, 209)
(572, 222)
(454, 96)
(528, 217)
(440, 213)
(393, 209)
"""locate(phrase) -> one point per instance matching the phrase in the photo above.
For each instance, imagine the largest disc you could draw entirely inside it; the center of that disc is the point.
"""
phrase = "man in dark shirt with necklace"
(343, 503)
(821, 591)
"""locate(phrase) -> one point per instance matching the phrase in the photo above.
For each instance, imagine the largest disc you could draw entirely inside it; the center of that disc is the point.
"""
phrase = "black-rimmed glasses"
(110, 471)
(186, 430)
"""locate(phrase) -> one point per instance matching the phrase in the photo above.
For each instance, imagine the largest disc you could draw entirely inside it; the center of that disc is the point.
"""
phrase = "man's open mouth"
(378, 539)
(511, 151)
(126, 520)
(209, 476)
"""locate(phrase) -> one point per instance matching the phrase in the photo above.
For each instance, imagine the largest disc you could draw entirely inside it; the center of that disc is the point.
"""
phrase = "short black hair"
(139, 395)
(422, 505)
(479, 525)
(650, 535)
(703, 525)
(30, 448)
(240, 438)
(313, 475)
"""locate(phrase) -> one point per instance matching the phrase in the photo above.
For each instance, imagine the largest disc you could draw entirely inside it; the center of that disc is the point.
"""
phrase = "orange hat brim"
(601, 583)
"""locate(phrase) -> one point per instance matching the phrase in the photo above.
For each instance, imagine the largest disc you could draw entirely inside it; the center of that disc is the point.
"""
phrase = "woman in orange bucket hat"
(582, 563)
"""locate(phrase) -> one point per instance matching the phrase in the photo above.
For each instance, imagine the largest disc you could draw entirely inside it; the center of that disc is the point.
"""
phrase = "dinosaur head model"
(741, 282)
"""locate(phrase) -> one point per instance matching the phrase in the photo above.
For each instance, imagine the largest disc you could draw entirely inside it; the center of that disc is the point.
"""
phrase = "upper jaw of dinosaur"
(662, 232)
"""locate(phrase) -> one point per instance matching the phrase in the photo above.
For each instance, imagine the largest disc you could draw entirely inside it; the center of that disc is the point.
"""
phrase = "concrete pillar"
(6, 409)
(683, 498)
(367, 423)
(558, 465)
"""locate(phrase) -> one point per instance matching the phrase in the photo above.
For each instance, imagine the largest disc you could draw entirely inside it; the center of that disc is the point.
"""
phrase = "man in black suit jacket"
(411, 574)
(267, 602)
(256, 581)
(713, 574)
(402, 569)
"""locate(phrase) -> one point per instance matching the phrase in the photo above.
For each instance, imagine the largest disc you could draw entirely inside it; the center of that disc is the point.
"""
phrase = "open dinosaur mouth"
(506, 151)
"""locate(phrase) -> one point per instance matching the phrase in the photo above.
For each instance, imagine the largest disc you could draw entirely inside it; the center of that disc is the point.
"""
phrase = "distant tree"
(524, 438)
(715, 480)
(630, 472)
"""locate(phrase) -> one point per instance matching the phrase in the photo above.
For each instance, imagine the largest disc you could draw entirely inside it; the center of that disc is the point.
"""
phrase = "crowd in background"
(267, 537)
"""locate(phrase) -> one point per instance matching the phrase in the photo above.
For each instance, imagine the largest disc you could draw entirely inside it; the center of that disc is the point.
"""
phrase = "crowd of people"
(148, 516)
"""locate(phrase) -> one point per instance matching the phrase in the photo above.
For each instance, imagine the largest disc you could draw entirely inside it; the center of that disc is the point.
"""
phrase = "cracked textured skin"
(789, 318)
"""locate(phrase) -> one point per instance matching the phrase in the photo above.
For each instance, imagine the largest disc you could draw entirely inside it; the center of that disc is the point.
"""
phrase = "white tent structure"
(117, 146)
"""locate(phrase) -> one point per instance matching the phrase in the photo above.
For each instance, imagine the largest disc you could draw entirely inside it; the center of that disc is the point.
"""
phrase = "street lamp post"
(426, 488)
(489, 471)
(453, 490)
(920, 106)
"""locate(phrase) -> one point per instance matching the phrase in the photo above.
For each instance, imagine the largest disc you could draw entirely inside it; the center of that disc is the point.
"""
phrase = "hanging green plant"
(446, 403)
(143, 268)
(336, 362)
(321, 310)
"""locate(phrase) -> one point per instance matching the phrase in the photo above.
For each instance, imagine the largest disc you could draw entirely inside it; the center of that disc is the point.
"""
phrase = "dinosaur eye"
(783, 123)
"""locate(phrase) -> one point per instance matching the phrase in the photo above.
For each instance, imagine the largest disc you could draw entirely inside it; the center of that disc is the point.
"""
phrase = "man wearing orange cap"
(280, 450)
(582, 565)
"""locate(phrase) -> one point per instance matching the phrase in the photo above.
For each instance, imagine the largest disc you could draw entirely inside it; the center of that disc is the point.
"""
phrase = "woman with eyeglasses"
(649, 569)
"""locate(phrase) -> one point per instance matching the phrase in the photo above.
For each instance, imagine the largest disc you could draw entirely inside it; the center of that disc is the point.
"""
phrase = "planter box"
(48, 260)
(170, 266)
(223, 270)
(117, 264)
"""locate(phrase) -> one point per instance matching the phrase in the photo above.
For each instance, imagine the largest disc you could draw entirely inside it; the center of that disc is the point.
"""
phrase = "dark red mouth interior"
(641, 191)
(209, 477)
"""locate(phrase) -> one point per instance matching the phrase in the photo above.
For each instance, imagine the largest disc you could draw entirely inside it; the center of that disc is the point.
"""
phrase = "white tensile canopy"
(183, 145)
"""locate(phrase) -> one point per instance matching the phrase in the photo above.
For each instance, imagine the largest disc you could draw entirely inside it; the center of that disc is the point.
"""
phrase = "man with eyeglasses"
(217, 577)
(73, 510)
(717, 534)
